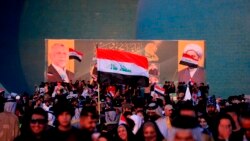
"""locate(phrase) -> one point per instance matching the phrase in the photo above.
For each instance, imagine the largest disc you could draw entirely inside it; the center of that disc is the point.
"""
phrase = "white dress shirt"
(192, 72)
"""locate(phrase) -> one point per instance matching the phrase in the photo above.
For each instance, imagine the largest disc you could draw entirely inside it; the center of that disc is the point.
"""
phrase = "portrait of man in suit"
(191, 56)
(59, 56)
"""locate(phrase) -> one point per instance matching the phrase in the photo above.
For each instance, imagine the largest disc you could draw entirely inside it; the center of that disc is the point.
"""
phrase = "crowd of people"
(82, 111)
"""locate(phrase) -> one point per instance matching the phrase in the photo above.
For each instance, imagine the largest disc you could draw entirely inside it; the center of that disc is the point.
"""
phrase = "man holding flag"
(119, 67)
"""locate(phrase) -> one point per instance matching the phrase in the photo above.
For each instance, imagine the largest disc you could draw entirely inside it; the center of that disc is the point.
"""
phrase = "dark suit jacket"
(54, 76)
(199, 75)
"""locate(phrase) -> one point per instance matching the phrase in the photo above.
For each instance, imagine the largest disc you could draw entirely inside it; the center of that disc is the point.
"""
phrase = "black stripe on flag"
(75, 57)
(188, 64)
(106, 78)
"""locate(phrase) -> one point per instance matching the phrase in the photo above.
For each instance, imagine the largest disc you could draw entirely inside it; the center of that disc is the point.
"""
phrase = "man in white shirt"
(57, 72)
(164, 123)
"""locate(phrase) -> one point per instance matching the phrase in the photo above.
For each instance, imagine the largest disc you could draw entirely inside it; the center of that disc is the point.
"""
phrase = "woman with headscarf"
(204, 125)
(124, 133)
(149, 131)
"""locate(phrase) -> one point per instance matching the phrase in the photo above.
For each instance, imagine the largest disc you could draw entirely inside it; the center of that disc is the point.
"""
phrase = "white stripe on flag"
(122, 56)
(75, 54)
(125, 68)
(188, 60)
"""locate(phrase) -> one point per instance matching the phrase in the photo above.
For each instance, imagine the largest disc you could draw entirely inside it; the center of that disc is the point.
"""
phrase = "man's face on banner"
(59, 55)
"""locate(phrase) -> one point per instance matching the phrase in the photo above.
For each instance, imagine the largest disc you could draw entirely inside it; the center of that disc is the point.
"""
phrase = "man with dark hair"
(245, 125)
(187, 109)
(64, 131)
(36, 127)
(88, 120)
(185, 128)
(232, 111)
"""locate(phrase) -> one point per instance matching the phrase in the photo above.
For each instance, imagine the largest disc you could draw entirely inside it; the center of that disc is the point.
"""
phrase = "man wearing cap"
(193, 72)
(164, 123)
(211, 112)
(9, 124)
(57, 72)
(10, 104)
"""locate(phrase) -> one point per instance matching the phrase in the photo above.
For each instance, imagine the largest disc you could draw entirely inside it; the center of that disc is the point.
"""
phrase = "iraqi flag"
(122, 120)
(189, 61)
(159, 90)
(73, 54)
(119, 67)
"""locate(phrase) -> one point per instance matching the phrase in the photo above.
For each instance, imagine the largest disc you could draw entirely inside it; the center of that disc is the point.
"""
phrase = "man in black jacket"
(64, 131)
(88, 120)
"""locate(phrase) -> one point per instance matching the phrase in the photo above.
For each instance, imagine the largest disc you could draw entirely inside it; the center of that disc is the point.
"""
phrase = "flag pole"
(98, 89)
(99, 103)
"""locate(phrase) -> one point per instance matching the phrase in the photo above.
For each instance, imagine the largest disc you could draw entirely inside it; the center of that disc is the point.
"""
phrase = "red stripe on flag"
(188, 56)
(122, 56)
(159, 88)
(122, 120)
(72, 50)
